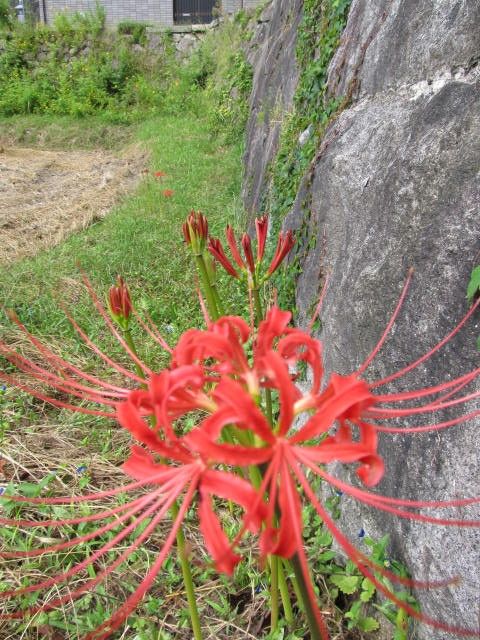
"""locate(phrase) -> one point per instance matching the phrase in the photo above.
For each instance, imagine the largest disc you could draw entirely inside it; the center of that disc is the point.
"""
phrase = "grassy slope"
(141, 238)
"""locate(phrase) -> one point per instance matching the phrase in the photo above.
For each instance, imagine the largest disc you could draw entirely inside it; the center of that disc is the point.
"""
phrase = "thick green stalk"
(187, 579)
(220, 307)
(274, 562)
(308, 606)
(282, 583)
(207, 287)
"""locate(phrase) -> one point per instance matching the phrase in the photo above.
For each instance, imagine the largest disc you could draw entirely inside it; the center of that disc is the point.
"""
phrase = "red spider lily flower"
(284, 245)
(232, 243)
(120, 304)
(338, 428)
(216, 249)
(168, 193)
(195, 230)
(248, 262)
(261, 227)
(160, 174)
(216, 374)
(247, 250)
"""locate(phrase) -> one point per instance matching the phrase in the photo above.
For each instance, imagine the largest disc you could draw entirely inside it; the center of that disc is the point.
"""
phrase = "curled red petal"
(216, 541)
(346, 397)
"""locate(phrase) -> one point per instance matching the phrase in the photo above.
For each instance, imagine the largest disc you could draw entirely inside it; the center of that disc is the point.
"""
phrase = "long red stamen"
(397, 413)
(55, 360)
(161, 476)
(152, 330)
(61, 546)
(131, 603)
(426, 427)
(427, 355)
(57, 403)
(115, 365)
(90, 584)
(318, 308)
(360, 560)
(303, 457)
(63, 577)
(427, 391)
(384, 505)
(102, 515)
(67, 385)
(390, 324)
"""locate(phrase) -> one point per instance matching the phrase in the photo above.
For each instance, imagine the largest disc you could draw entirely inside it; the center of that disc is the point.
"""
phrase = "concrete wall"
(232, 6)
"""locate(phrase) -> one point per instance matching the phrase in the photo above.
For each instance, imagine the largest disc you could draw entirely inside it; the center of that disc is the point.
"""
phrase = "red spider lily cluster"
(222, 374)
(249, 264)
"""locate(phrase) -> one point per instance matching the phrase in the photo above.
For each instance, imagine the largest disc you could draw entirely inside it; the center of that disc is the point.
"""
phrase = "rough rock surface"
(272, 55)
(395, 184)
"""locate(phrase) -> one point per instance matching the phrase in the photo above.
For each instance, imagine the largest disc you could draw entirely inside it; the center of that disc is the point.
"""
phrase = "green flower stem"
(187, 579)
(129, 340)
(207, 287)
(308, 606)
(257, 304)
(274, 562)
(291, 576)
(220, 307)
(282, 583)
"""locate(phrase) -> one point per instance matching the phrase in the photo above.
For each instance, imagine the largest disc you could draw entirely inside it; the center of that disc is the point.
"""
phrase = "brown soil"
(46, 195)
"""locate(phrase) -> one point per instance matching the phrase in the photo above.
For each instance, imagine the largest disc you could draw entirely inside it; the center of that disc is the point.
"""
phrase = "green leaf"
(326, 556)
(368, 589)
(346, 584)
(368, 624)
(474, 284)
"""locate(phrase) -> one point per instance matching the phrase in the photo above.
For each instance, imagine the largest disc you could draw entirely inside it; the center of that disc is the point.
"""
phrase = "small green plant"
(137, 30)
(7, 16)
(473, 290)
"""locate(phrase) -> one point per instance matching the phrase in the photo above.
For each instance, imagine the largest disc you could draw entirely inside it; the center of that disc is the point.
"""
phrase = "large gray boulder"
(394, 185)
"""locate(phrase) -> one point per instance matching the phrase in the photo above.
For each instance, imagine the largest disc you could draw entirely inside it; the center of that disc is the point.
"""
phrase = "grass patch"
(140, 239)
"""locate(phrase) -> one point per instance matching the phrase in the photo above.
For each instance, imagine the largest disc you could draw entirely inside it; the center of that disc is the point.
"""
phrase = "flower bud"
(119, 303)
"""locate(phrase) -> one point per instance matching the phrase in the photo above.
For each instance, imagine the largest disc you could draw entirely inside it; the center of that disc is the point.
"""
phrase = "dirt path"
(46, 195)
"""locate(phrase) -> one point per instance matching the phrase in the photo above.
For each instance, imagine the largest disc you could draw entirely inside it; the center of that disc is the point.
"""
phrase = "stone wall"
(394, 184)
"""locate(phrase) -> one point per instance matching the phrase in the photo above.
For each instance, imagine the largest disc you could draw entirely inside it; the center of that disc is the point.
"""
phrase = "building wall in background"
(159, 12)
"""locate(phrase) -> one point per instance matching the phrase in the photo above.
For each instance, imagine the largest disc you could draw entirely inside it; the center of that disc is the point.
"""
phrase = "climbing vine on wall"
(318, 38)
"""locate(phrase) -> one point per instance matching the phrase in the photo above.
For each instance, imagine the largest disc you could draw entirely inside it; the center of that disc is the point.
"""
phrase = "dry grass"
(46, 195)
